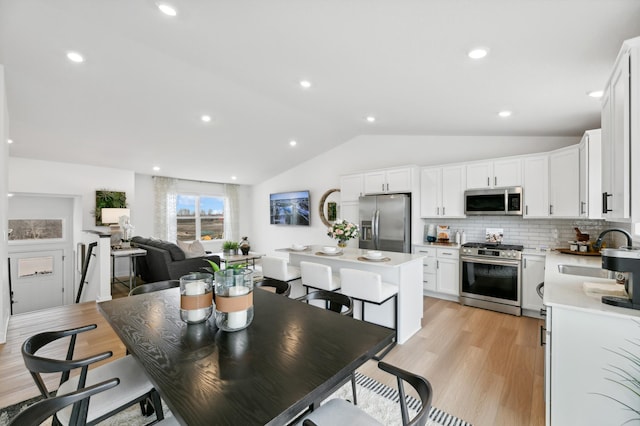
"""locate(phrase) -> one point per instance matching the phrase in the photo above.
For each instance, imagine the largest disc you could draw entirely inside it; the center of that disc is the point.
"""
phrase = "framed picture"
(36, 230)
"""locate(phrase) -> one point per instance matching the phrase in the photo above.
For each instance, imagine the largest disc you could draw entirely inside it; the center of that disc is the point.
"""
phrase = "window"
(200, 217)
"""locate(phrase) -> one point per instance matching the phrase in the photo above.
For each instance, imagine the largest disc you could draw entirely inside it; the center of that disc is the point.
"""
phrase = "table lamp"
(111, 217)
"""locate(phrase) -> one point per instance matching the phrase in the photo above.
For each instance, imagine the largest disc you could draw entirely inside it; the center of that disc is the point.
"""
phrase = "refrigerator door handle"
(376, 229)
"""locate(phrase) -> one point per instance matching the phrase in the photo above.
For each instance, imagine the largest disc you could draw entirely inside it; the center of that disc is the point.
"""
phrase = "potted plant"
(230, 247)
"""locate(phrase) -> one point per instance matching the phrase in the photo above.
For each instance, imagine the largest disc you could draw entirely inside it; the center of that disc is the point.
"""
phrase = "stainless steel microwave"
(494, 202)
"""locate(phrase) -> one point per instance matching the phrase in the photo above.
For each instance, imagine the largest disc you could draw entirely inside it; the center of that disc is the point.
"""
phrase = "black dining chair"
(339, 303)
(339, 411)
(335, 302)
(134, 386)
(151, 287)
(279, 287)
(37, 413)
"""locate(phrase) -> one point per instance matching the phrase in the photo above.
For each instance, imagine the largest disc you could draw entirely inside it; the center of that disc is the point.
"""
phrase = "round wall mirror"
(328, 208)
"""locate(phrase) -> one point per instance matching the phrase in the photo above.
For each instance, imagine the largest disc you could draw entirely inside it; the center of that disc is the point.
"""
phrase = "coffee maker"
(624, 259)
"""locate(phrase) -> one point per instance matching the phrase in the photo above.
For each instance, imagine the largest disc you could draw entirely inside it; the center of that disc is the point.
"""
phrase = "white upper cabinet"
(442, 191)
(351, 187)
(564, 183)
(494, 174)
(536, 186)
(388, 181)
(590, 175)
(616, 133)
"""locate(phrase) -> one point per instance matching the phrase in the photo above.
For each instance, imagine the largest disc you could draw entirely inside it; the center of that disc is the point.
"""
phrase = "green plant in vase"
(230, 247)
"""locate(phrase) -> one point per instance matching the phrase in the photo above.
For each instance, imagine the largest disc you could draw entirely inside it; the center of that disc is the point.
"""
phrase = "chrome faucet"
(598, 243)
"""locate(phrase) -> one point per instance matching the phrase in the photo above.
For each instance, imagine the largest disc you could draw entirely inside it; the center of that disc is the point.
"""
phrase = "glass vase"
(196, 297)
(234, 298)
(342, 243)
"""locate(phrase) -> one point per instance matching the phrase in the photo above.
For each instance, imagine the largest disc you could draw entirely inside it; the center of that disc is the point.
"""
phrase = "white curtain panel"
(166, 227)
(231, 227)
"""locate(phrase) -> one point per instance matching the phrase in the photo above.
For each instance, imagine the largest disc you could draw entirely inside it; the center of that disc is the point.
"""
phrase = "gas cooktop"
(494, 246)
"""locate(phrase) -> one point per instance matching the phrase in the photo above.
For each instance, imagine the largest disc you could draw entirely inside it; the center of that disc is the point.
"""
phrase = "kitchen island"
(401, 269)
(584, 342)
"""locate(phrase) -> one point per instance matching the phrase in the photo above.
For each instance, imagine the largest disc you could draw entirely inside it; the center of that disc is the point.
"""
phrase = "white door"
(37, 279)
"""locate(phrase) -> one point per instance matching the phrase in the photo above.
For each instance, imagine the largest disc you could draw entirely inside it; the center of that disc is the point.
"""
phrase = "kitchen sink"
(585, 271)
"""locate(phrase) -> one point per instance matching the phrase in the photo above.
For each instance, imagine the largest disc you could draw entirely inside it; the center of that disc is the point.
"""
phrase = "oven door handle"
(490, 261)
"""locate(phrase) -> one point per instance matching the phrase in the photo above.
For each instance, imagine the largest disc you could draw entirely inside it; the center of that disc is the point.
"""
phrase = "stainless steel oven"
(490, 277)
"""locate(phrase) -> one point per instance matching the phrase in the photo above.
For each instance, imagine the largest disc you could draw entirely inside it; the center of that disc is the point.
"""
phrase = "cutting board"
(578, 253)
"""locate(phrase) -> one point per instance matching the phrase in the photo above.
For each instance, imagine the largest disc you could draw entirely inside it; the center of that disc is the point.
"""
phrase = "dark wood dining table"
(289, 358)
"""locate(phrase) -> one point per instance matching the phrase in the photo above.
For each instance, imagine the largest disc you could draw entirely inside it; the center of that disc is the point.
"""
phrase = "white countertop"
(352, 255)
(566, 290)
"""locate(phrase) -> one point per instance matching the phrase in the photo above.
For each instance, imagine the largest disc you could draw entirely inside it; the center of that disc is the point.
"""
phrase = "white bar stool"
(318, 277)
(368, 287)
(279, 269)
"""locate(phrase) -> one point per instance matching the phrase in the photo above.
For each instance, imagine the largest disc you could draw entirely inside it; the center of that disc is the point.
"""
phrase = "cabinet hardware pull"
(526, 210)
(495, 181)
(488, 184)
(442, 210)
(383, 187)
(437, 211)
(524, 263)
(542, 331)
(550, 209)
(605, 202)
(583, 206)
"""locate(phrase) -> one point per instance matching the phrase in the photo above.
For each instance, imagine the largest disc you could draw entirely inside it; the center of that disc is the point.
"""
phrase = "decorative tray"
(379, 259)
(578, 253)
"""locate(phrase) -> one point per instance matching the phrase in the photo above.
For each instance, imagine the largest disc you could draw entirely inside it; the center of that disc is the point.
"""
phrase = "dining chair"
(339, 303)
(277, 286)
(335, 302)
(338, 411)
(318, 276)
(368, 287)
(37, 413)
(278, 268)
(134, 386)
(151, 287)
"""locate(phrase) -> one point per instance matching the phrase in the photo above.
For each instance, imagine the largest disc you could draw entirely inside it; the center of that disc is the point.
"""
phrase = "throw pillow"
(194, 249)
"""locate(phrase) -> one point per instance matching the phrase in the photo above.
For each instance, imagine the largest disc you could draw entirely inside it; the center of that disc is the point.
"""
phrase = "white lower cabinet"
(441, 270)
(584, 355)
(532, 275)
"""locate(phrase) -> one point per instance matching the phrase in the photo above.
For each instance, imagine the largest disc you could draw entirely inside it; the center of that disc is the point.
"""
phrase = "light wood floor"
(485, 367)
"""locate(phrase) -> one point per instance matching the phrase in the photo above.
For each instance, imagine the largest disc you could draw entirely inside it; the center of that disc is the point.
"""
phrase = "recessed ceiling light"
(293, 143)
(504, 114)
(233, 178)
(206, 118)
(370, 119)
(9, 195)
(75, 57)
(9, 141)
(167, 9)
(305, 84)
(478, 53)
(595, 93)
(156, 168)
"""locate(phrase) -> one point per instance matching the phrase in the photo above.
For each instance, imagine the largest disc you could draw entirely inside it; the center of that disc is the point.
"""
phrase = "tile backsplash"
(533, 233)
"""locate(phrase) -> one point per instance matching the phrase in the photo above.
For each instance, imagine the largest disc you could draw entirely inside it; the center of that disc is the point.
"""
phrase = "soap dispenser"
(463, 238)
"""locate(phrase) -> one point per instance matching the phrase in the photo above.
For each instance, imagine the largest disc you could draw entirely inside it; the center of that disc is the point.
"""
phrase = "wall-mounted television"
(290, 208)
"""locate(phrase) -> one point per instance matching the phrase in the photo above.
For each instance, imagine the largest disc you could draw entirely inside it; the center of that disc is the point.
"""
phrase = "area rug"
(380, 401)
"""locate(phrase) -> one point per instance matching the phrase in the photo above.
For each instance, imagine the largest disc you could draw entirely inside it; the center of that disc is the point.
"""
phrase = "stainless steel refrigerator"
(385, 222)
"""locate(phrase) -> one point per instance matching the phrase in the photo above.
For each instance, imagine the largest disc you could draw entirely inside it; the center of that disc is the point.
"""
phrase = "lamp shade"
(112, 215)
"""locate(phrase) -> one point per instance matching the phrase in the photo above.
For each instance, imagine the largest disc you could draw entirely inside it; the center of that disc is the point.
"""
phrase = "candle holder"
(196, 297)
(234, 298)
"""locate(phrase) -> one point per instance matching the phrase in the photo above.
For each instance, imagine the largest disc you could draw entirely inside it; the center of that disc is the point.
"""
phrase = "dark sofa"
(166, 261)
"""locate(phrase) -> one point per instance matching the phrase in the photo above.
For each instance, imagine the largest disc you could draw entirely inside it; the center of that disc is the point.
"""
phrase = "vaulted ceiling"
(147, 78)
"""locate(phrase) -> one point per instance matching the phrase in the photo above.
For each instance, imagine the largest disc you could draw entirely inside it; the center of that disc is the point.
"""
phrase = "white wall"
(373, 152)
(4, 159)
